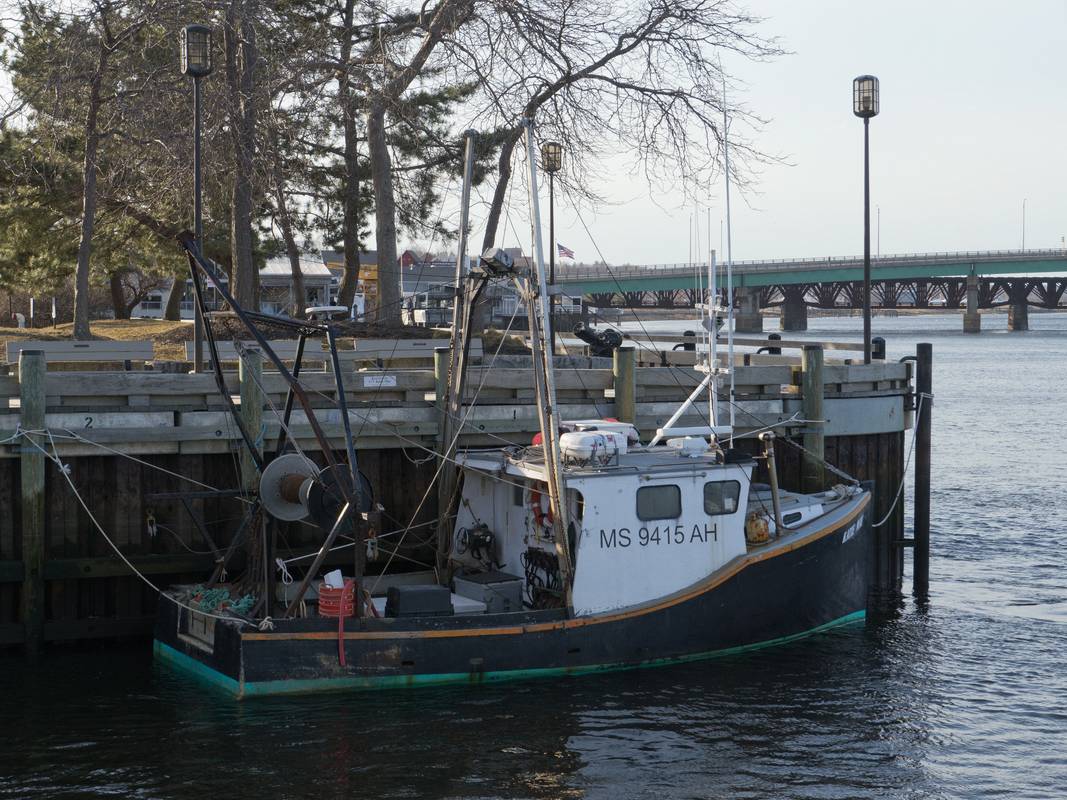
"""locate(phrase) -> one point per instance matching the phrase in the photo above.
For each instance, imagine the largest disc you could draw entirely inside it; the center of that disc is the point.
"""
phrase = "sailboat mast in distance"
(729, 258)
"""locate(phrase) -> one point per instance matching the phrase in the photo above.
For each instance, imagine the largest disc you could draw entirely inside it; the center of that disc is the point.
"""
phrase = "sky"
(973, 122)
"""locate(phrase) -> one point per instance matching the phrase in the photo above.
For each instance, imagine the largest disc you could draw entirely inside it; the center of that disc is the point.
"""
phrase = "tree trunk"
(500, 193)
(240, 37)
(173, 311)
(118, 296)
(299, 296)
(85, 245)
(381, 170)
(350, 190)
(449, 15)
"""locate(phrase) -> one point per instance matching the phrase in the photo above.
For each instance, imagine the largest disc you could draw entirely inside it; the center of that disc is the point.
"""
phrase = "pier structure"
(104, 473)
(968, 281)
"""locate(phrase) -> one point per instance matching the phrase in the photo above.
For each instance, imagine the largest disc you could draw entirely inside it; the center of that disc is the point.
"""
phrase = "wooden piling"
(440, 375)
(924, 385)
(625, 380)
(32, 372)
(173, 421)
(251, 376)
(812, 476)
(445, 488)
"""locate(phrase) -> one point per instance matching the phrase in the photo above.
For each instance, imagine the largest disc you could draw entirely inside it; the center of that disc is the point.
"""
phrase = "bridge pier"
(972, 320)
(794, 309)
(747, 318)
(1018, 314)
(889, 294)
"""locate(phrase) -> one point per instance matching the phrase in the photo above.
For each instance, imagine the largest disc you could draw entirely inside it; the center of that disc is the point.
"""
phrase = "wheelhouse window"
(659, 502)
(720, 497)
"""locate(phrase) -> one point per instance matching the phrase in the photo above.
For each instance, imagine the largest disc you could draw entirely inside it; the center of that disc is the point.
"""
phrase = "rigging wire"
(73, 435)
(64, 470)
(618, 285)
(448, 448)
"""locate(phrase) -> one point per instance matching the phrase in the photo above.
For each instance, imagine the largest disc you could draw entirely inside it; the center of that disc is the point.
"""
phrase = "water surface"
(965, 698)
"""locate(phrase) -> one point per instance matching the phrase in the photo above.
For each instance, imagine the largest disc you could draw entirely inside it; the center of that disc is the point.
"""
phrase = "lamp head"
(865, 96)
(551, 157)
(196, 51)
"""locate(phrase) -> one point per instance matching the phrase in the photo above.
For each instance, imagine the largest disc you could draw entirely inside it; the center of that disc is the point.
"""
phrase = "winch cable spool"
(285, 484)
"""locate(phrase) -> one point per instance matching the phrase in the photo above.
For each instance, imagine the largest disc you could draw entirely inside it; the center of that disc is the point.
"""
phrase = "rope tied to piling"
(921, 398)
(64, 470)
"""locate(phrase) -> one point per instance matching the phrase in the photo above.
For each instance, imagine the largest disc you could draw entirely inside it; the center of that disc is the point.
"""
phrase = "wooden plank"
(111, 566)
(812, 478)
(863, 373)
(370, 380)
(792, 344)
(64, 540)
(401, 349)
(252, 400)
(98, 628)
(285, 349)
(123, 384)
(9, 389)
(12, 571)
(58, 351)
(9, 521)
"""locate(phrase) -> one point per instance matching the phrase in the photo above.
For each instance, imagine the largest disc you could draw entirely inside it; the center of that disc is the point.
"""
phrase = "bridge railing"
(565, 274)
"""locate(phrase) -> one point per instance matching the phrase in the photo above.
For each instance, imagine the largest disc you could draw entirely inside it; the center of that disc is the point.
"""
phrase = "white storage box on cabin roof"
(592, 446)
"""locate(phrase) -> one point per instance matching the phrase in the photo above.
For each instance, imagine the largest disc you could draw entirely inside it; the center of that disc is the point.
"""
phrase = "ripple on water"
(966, 699)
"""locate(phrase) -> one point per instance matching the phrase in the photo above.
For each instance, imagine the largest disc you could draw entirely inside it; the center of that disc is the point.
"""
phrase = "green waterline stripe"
(164, 652)
(308, 685)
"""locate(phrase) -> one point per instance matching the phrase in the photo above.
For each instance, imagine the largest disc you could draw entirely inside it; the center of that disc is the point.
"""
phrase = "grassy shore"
(169, 338)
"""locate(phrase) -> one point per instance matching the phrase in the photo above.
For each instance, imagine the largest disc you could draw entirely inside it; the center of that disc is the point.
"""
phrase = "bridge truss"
(1043, 292)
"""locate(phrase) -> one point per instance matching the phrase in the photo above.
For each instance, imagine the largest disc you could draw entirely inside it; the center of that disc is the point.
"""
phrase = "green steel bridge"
(781, 272)
(972, 280)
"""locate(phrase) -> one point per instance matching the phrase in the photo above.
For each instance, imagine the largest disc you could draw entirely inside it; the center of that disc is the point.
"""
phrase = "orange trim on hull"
(712, 581)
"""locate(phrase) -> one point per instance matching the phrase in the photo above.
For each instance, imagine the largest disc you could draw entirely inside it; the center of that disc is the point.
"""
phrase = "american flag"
(564, 252)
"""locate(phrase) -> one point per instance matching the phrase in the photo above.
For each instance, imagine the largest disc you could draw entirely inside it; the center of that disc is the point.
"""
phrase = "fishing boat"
(590, 549)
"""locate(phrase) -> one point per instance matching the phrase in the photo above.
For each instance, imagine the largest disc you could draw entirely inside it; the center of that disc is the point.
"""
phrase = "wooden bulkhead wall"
(81, 590)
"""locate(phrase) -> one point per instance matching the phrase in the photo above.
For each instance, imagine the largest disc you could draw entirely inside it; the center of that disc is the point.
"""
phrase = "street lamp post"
(196, 63)
(865, 105)
(552, 162)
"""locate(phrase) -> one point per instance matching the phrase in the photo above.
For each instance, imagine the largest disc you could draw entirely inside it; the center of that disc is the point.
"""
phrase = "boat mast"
(457, 370)
(713, 334)
(538, 305)
(729, 259)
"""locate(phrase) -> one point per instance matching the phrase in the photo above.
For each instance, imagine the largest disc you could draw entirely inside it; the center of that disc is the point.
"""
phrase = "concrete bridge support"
(1018, 317)
(747, 318)
(794, 309)
(972, 320)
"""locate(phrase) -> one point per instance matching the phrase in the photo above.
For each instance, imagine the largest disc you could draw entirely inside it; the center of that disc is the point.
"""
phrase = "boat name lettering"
(662, 535)
(853, 529)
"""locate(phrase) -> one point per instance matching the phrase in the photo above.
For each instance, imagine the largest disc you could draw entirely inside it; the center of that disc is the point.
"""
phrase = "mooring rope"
(922, 398)
(64, 470)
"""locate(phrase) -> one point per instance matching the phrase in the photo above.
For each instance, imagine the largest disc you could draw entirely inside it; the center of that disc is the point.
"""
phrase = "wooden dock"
(126, 437)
